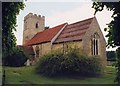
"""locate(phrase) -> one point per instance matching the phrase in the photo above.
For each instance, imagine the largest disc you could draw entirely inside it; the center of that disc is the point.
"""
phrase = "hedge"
(67, 64)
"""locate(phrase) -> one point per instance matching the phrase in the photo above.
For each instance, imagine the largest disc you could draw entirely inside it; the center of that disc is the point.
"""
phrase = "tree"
(118, 66)
(113, 28)
(10, 10)
(111, 56)
(17, 58)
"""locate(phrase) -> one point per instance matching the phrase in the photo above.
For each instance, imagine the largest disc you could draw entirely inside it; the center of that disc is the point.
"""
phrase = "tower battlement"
(31, 15)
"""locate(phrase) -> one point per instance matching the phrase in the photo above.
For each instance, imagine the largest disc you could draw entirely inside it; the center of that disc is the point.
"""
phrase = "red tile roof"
(46, 35)
(74, 32)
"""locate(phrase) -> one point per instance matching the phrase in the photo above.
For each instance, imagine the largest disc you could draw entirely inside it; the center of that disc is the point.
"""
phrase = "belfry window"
(95, 44)
(37, 25)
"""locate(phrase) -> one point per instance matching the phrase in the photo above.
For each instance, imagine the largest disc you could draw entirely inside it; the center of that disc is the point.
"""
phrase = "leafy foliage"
(17, 58)
(10, 10)
(68, 64)
(118, 66)
(111, 55)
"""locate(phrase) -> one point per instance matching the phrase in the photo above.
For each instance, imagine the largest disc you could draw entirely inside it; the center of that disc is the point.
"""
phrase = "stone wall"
(43, 48)
(60, 46)
(47, 47)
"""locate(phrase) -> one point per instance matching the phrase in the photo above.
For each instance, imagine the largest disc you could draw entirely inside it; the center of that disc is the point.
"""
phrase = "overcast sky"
(60, 12)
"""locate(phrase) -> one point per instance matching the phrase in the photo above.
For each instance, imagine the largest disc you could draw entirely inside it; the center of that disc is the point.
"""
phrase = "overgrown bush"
(117, 79)
(68, 63)
(16, 58)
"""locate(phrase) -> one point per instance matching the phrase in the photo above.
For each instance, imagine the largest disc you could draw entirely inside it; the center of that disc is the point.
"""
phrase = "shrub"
(68, 64)
(50, 64)
(117, 79)
(16, 58)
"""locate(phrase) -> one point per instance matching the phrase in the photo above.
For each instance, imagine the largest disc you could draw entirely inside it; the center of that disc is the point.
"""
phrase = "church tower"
(32, 25)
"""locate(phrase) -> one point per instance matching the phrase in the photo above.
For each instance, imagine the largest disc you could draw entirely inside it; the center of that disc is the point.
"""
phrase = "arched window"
(37, 25)
(95, 44)
(37, 51)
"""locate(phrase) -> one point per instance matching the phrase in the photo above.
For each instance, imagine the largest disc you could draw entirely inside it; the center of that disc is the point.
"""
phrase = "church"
(85, 35)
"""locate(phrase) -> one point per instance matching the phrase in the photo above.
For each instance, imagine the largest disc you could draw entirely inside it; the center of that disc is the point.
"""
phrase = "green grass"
(26, 75)
(0, 74)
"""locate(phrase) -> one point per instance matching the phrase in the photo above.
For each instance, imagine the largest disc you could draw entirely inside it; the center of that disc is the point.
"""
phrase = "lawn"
(27, 75)
(0, 75)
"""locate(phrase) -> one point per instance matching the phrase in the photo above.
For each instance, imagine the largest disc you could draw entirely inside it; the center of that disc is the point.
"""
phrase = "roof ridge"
(82, 20)
(53, 27)
(41, 36)
(47, 29)
(58, 25)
